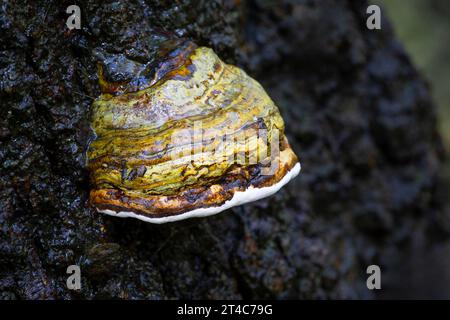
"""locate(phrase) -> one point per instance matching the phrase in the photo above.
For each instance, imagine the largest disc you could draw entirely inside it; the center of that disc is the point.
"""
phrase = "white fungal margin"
(239, 198)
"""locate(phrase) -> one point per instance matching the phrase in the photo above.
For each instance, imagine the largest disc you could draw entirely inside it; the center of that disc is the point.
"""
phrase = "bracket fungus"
(183, 135)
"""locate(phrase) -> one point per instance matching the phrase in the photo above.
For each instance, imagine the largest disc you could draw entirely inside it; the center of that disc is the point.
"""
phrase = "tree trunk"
(357, 113)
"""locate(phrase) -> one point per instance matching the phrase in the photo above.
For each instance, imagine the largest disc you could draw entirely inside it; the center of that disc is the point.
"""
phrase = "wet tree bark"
(357, 113)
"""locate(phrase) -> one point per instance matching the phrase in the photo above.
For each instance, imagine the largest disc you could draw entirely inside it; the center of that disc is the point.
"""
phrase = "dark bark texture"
(357, 113)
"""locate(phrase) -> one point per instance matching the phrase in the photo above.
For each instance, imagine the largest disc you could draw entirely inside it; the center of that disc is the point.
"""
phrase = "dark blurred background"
(423, 28)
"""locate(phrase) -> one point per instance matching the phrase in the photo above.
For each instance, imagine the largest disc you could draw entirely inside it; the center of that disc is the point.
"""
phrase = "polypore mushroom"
(183, 136)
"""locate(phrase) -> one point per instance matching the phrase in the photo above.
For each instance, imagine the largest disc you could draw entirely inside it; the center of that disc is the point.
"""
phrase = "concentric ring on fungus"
(184, 136)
